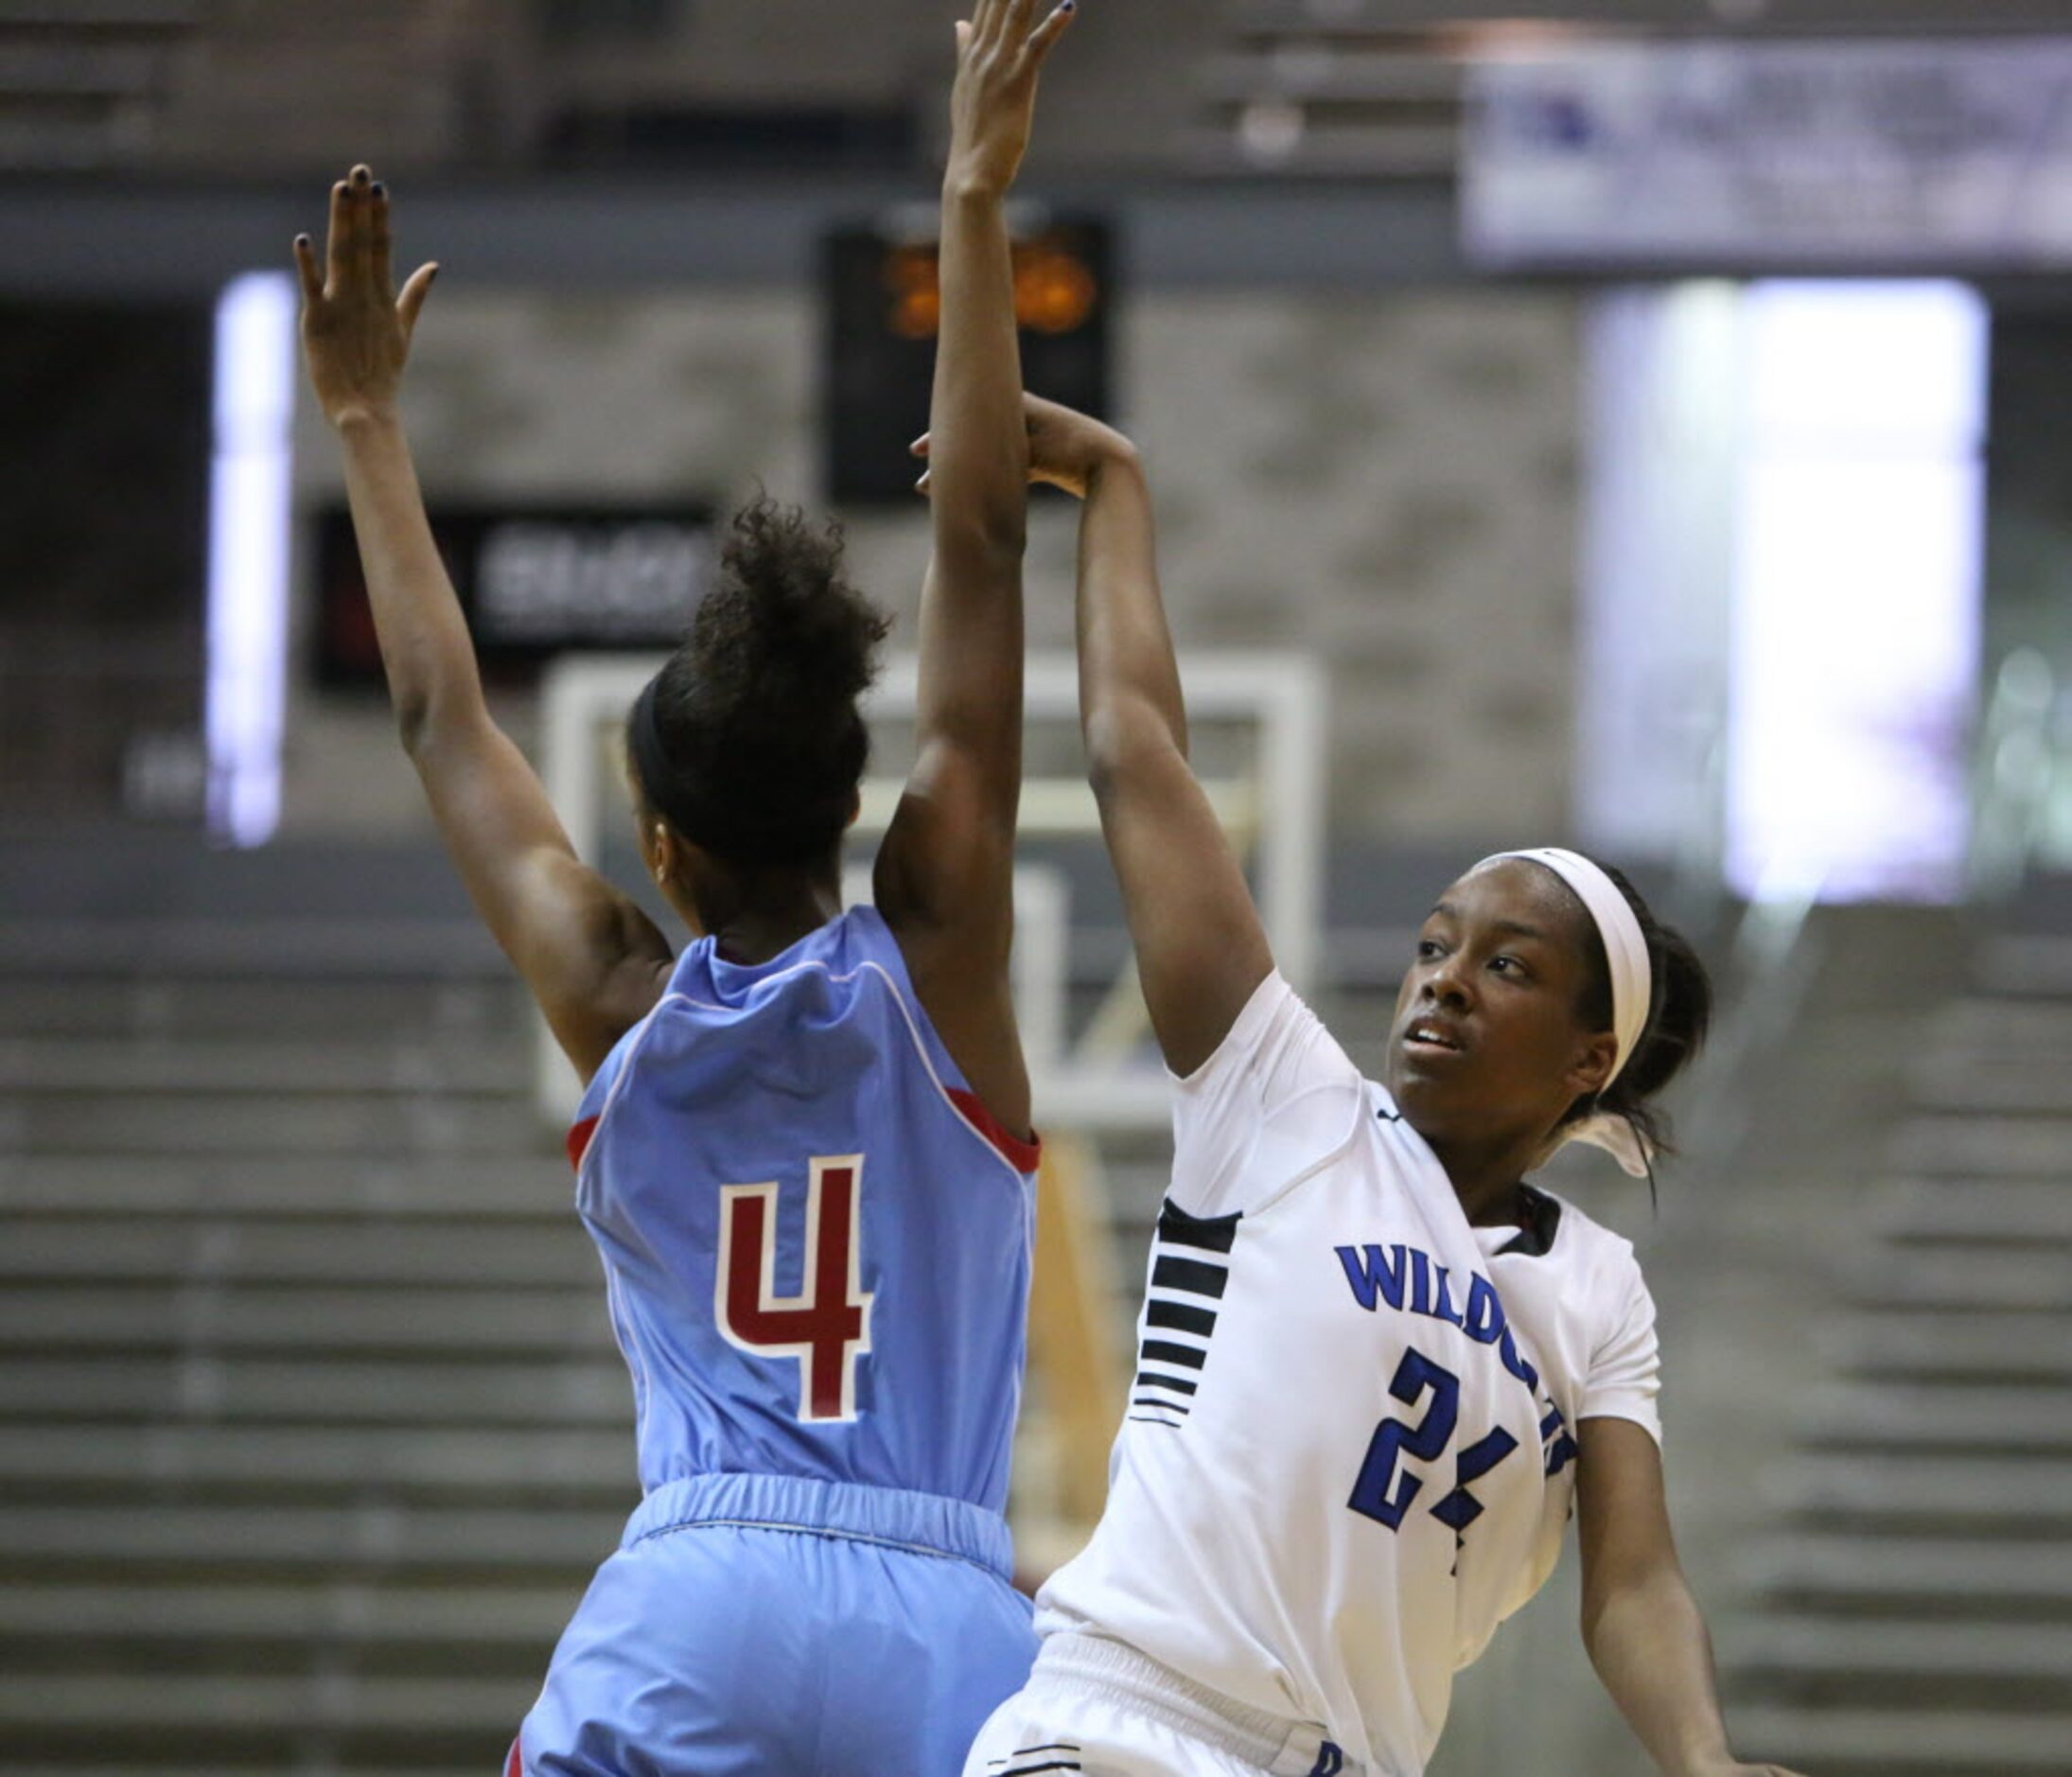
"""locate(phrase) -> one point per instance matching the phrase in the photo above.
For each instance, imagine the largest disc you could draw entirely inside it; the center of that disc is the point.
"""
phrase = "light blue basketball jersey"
(817, 1243)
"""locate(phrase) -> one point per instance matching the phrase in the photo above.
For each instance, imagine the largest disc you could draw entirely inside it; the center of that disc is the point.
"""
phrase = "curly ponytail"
(749, 741)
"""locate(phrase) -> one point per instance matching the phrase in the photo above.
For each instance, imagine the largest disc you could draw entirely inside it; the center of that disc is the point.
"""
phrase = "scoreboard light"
(885, 310)
(532, 583)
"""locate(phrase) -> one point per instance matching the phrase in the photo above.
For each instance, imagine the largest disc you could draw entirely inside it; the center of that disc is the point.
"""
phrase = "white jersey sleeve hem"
(1276, 1099)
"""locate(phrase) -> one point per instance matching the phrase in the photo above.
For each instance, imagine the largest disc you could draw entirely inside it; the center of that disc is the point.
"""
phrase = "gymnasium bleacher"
(1912, 1599)
(310, 1427)
(313, 1428)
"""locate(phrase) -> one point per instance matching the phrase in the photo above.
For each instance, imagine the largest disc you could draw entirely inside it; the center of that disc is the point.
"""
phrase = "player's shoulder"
(1598, 1258)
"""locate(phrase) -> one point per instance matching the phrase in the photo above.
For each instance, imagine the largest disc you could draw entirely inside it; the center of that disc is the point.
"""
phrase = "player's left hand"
(355, 330)
(1000, 50)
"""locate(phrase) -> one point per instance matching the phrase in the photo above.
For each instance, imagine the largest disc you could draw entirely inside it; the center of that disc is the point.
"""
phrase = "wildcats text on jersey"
(1410, 1281)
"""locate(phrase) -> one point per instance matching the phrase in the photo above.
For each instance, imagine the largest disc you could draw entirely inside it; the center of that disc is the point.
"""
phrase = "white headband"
(1632, 989)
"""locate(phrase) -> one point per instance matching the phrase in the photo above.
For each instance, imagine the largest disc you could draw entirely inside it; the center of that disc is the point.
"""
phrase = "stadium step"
(1845, 1662)
(121, 1542)
(1906, 1742)
(1924, 1416)
(1968, 1495)
(1975, 1212)
(2033, 1084)
(1954, 1278)
(477, 1189)
(261, 946)
(1867, 1575)
(343, 1611)
(1999, 1349)
(1982, 1146)
(227, 1705)
(2024, 966)
(203, 1005)
(204, 1463)
(155, 1317)
(82, 1065)
(257, 1390)
(283, 1124)
(1979, 1030)
(359, 1251)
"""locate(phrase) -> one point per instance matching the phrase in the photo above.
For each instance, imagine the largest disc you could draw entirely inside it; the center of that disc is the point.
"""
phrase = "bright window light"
(1857, 559)
(249, 507)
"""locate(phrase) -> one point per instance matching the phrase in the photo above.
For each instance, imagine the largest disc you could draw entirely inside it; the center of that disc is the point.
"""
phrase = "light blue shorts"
(785, 1628)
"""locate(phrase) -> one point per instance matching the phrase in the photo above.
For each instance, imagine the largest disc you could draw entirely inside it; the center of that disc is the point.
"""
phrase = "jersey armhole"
(582, 1133)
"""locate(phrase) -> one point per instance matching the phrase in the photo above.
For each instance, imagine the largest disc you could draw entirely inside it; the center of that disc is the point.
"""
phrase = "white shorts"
(1102, 1709)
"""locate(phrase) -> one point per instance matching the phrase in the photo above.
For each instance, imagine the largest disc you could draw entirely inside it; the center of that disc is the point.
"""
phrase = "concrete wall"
(1388, 481)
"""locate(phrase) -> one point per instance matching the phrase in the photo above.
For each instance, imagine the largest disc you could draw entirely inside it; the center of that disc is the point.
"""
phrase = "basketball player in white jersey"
(1377, 1369)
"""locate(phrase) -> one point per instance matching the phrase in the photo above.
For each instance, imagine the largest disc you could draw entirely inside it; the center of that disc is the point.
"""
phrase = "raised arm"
(946, 872)
(1200, 950)
(592, 958)
(1640, 1620)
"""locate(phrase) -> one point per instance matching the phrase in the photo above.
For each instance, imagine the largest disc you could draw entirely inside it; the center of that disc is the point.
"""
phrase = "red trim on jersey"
(1024, 1156)
(579, 1140)
(515, 1765)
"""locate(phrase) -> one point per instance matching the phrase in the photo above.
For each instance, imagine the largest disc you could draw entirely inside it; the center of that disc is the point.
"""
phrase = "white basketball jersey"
(1347, 1455)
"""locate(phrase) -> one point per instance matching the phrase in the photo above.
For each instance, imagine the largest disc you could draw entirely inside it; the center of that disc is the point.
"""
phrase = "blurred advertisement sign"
(532, 583)
(1823, 155)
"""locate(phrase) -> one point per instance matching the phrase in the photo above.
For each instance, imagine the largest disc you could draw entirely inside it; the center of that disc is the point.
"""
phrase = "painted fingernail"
(380, 190)
(302, 240)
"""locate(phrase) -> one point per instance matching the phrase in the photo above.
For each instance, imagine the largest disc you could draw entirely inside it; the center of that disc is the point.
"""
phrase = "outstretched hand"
(1000, 50)
(355, 329)
(1066, 448)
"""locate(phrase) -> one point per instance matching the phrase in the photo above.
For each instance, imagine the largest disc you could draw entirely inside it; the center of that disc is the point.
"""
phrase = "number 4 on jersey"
(827, 1324)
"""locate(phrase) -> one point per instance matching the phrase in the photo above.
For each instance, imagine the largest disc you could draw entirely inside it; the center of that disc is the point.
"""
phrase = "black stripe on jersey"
(1180, 1316)
(1171, 1406)
(1030, 1751)
(1196, 1276)
(1212, 1234)
(1055, 1764)
(1151, 1419)
(1151, 1378)
(1165, 1352)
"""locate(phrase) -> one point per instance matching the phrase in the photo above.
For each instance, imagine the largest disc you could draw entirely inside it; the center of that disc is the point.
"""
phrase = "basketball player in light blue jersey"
(804, 1150)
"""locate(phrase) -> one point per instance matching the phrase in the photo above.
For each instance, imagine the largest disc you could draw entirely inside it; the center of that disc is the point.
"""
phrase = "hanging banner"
(1833, 156)
(533, 581)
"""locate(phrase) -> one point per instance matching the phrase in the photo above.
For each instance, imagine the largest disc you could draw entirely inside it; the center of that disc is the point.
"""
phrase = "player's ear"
(1591, 1067)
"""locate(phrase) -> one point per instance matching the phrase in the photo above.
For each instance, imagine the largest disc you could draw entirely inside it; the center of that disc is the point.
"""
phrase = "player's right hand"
(1066, 448)
(1000, 50)
(355, 329)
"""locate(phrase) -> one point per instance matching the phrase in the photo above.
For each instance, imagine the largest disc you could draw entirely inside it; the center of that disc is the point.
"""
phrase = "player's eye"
(1510, 966)
(1428, 950)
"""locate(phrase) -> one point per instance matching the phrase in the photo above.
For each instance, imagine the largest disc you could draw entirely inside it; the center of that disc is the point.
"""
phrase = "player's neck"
(768, 922)
(1486, 1177)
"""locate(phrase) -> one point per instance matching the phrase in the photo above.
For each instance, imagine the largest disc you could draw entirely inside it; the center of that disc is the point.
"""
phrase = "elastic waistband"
(1256, 1737)
(923, 1524)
